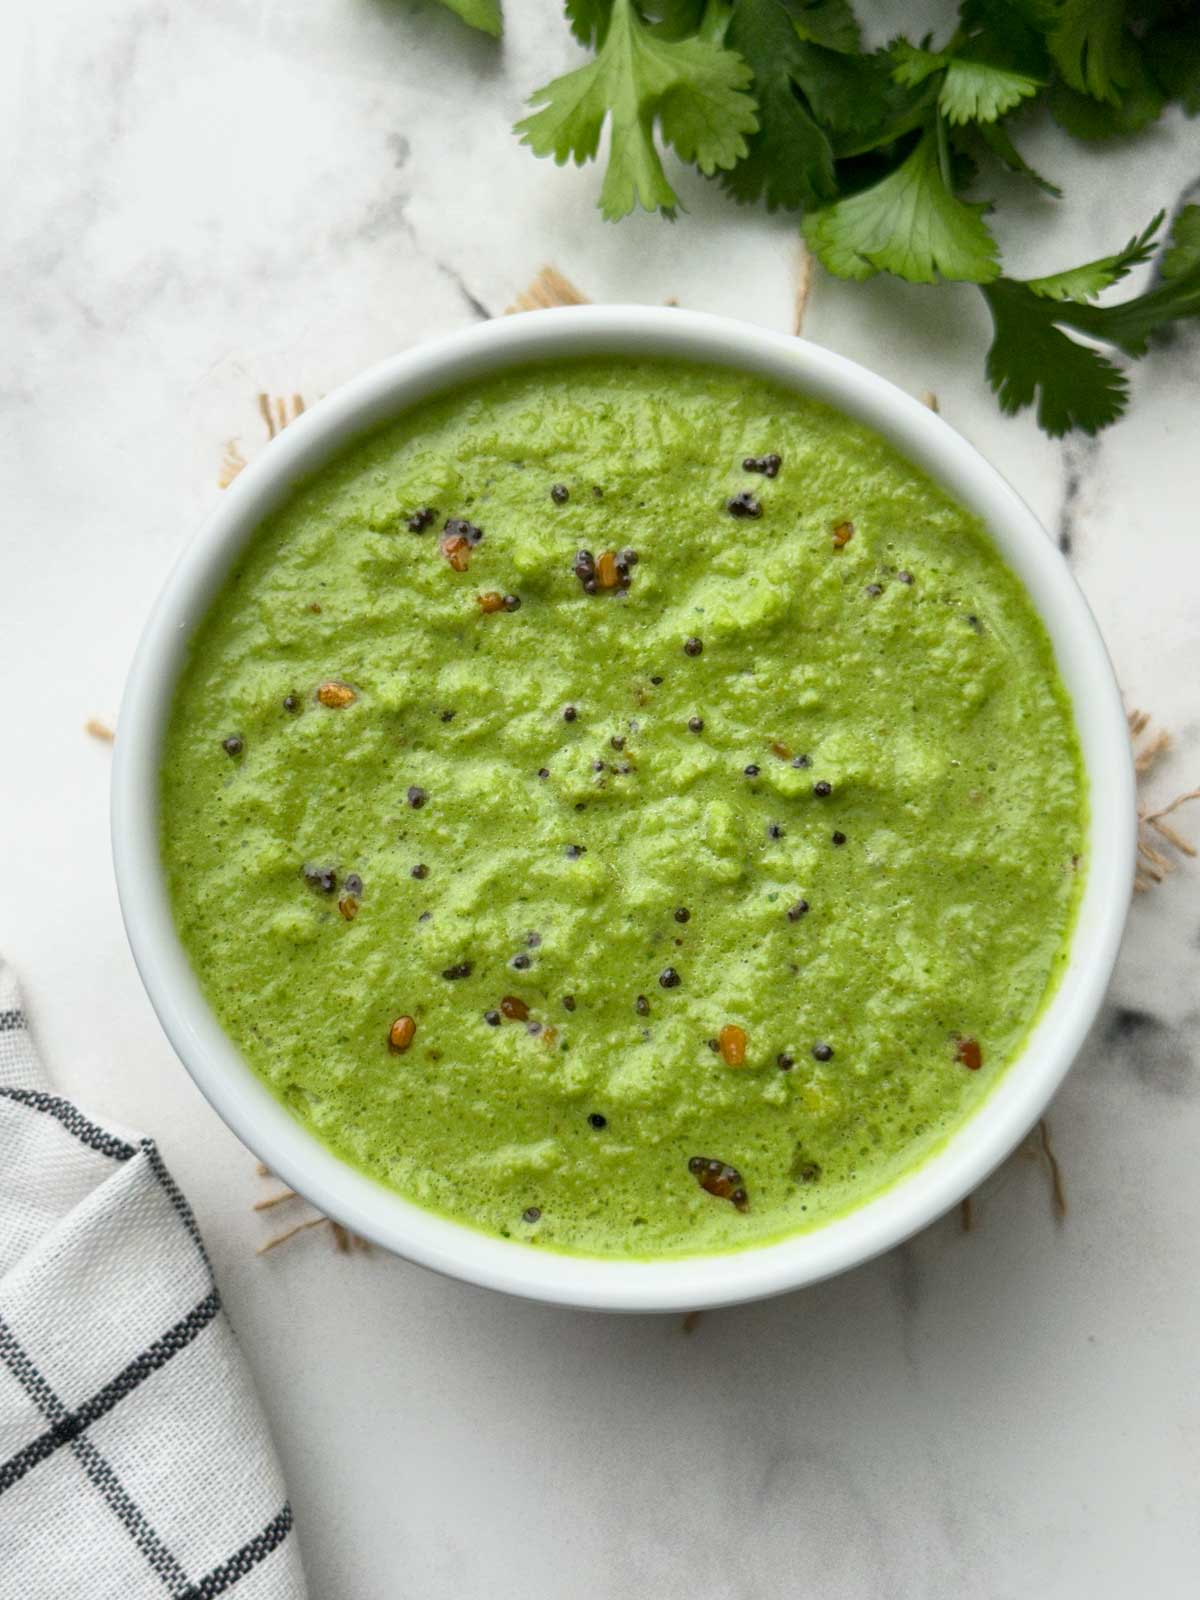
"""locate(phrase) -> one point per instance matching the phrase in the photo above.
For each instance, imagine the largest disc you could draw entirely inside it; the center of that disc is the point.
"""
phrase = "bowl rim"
(914, 1200)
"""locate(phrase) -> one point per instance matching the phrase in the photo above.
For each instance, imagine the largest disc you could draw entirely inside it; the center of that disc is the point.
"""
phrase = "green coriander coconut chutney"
(626, 807)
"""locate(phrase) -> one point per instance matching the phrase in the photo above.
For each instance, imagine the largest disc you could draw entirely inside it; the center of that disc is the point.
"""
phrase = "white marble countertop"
(205, 201)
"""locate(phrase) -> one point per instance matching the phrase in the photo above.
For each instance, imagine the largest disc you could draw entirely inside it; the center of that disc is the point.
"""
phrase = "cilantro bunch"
(882, 152)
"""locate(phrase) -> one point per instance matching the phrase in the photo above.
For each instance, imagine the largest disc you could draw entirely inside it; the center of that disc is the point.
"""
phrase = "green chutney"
(624, 806)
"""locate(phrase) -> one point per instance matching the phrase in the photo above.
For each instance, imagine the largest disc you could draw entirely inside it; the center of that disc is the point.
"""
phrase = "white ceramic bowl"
(377, 1213)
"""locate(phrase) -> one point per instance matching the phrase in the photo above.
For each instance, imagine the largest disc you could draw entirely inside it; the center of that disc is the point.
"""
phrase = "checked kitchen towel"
(134, 1459)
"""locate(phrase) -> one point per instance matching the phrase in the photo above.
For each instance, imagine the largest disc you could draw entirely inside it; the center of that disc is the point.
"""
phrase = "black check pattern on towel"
(94, 1501)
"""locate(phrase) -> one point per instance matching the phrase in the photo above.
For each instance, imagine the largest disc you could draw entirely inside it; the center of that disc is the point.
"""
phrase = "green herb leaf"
(1131, 324)
(1091, 49)
(909, 224)
(790, 158)
(1075, 385)
(974, 92)
(971, 91)
(1085, 283)
(589, 19)
(481, 14)
(831, 23)
(693, 89)
(1141, 103)
(1031, 358)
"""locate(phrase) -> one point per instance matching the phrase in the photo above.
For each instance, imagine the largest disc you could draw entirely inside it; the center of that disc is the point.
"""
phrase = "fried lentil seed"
(419, 871)
(970, 1054)
(336, 695)
(642, 1006)
(348, 906)
(416, 796)
(780, 750)
(743, 505)
(797, 910)
(842, 534)
(514, 1008)
(822, 1051)
(720, 1179)
(400, 1034)
(457, 550)
(822, 789)
(669, 978)
(607, 575)
(233, 745)
(597, 1119)
(490, 602)
(421, 519)
(560, 494)
(732, 1043)
(461, 969)
(693, 646)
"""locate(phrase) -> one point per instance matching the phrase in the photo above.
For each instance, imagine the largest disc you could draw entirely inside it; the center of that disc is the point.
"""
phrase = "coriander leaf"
(1030, 357)
(790, 158)
(831, 23)
(1009, 33)
(1140, 104)
(909, 224)
(1091, 49)
(1076, 386)
(693, 88)
(589, 19)
(914, 65)
(1130, 324)
(481, 14)
(972, 91)
(996, 136)
(856, 98)
(1086, 282)
(1183, 254)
